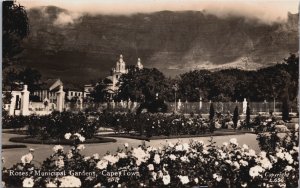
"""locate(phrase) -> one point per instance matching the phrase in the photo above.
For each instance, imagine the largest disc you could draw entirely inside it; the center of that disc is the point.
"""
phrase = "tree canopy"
(224, 85)
(15, 29)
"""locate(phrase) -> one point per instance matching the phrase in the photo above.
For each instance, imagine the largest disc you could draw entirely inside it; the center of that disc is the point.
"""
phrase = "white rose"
(184, 159)
(150, 167)
(102, 164)
(68, 136)
(122, 155)
(110, 158)
(170, 145)
(288, 168)
(233, 141)
(172, 157)
(98, 185)
(57, 148)
(166, 179)
(184, 179)
(27, 158)
(81, 139)
(70, 181)
(245, 147)
(80, 147)
(156, 159)
(51, 184)
(28, 182)
(225, 144)
(96, 156)
(255, 171)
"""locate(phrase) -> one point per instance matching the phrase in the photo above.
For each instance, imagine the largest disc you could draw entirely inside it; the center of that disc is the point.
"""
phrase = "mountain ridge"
(67, 45)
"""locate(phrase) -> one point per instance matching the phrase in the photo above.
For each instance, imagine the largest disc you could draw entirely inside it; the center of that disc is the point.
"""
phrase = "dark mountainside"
(87, 47)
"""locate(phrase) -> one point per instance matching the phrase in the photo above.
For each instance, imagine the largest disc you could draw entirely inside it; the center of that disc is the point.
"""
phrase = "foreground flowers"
(184, 164)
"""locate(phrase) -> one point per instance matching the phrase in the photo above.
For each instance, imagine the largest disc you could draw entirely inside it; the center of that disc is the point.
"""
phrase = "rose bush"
(57, 124)
(180, 164)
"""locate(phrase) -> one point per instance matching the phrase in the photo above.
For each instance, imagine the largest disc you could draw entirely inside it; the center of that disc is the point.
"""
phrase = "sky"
(265, 10)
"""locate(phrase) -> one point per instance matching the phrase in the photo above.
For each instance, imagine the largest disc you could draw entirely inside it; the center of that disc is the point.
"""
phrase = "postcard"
(171, 93)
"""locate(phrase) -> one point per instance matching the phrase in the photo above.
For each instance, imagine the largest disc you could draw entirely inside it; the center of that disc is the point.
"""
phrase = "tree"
(293, 69)
(211, 118)
(285, 108)
(211, 111)
(248, 116)
(139, 85)
(30, 77)
(10, 77)
(235, 117)
(15, 29)
(99, 93)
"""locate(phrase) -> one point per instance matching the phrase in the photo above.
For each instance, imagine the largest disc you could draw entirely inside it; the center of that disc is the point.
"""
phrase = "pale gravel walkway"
(13, 156)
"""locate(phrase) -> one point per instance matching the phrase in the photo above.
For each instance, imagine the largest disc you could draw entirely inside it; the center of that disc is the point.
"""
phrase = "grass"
(35, 140)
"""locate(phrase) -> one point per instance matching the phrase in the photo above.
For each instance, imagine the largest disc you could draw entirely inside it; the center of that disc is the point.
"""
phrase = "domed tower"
(121, 65)
(139, 65)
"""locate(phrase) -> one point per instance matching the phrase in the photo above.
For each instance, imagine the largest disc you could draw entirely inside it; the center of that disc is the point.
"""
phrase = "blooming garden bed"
(35, 140)
(216, 133)
(174, 164)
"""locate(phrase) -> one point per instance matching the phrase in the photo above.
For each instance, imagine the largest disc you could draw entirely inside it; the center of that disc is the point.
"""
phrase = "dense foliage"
(143, 85)
(15, 29)
(57, 124)
(224, 85)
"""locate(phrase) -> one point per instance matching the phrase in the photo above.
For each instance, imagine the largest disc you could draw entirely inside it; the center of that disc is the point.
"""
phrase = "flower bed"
(34, 140)
(12, 146)
(180, 165)
(56, 125)
(156, 124)
(221, 132)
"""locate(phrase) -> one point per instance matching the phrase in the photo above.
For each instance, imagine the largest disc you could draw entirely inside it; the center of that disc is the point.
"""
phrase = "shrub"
(248, 112)
(285, 109)
(57, 124)
(211, 111)
(235, 117)
(173, 165)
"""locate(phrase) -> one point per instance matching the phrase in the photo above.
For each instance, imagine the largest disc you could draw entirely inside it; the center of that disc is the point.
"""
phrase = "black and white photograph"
(149, 93)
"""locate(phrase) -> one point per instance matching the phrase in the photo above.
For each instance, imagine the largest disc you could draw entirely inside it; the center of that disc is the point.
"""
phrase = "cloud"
(264, 10)
(66, 18)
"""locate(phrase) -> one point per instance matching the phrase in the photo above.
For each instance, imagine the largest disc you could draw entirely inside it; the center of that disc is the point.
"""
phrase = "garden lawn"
(41, 152)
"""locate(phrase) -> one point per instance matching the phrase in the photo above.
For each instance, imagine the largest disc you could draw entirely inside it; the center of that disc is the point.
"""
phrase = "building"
(87, 89)
(48, 90)
(139, 65)
(73, 93)
(112, 81)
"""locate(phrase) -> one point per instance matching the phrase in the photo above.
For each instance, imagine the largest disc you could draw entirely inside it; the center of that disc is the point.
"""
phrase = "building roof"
(51, 84)
(73, 87)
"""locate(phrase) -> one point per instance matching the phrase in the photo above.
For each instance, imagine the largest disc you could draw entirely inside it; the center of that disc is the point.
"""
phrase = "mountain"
(81, 47)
